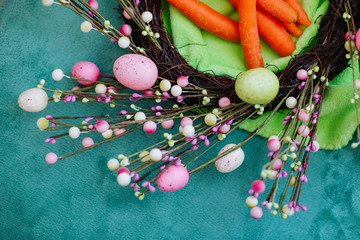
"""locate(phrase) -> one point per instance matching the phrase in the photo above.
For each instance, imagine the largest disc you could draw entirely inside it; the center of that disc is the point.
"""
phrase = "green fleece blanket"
(206, 52)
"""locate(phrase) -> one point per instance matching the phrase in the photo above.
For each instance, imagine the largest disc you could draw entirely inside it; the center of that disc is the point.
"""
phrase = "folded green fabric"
(208, 53)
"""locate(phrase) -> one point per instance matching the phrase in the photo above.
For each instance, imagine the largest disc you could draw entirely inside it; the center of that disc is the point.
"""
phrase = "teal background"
(78, 198)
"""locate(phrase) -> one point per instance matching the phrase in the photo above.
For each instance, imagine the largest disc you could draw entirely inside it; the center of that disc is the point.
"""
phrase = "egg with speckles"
(85, 70)
(135, 71)
(231, 161)
(33, 100)
(173, 178)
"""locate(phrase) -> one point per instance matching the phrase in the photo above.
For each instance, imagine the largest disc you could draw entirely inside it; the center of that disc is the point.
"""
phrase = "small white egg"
(108, 134)
(123, 179)
(57, 74)
(165, 85)
(47, 3)
(176, 90)
(140, 116)
(113, 164)
(155, 154)
(33, 100)
(86, 26)
(231, 161)
(251, 201)
(291, 102)
(188, 131)
(124, 42)
(100, 88)
(147, 16)
(74, 132)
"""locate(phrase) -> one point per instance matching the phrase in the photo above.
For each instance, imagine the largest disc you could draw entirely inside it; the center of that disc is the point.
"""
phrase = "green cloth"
(78, 198)
(206, 52)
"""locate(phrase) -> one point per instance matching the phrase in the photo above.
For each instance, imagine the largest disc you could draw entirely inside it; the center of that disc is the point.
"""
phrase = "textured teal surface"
(78, 198)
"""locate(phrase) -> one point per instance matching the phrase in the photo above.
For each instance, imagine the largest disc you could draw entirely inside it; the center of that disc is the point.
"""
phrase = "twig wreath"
(208, 107)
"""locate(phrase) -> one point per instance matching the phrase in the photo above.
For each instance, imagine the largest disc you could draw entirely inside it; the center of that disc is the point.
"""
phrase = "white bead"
(176, 90)
(107, 134)
(100, 88)
(165, 85)
(74, 132)
(124, 42)
(33, 100)
(291, 102)
(57, 74)
(123, 179)
(147, 16)
(47, 3)
(188, 131)
(140, 116)
(271, 174)
(251, 201)
(155, 154)
(86, 26)
(113, 164)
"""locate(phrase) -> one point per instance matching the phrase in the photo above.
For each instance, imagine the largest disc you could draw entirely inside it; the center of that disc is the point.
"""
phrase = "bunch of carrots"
(273, 20)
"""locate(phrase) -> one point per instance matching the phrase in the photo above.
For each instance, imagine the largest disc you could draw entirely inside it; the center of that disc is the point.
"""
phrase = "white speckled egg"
(33, 100)
(135, 71)
(231, 161)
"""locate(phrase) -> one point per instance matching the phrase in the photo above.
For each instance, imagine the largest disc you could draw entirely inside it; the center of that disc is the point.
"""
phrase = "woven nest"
(327, 49)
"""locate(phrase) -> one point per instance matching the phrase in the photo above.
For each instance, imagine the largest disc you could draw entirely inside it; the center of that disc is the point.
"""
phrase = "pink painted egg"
(135, 71)
(85, 70)
(357, 41)
(173, 178)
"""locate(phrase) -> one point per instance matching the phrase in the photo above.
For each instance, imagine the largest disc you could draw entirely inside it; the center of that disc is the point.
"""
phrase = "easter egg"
(357, 41)
(135, 71)
(231, 161)
(257, 86)
(85, 70)
(33, 100)
(173, 178)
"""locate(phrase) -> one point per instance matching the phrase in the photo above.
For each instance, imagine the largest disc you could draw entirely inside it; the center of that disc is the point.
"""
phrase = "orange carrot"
(279, 9)
(249, 35)
(293, 29)
(274, 34)
(208, 19)
(303, 18)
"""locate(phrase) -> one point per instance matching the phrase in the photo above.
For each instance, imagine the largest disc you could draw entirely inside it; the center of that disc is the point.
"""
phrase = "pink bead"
(224, 128)
(85, 70)
(304, 116)
(347, 36)
(123, 169)
(182, 81)
(258, 186)
(87, 142)
(273, 145)
(173, 178)
(149, 127)
(148, 93)
(224, 102)
(111, 88)
(256, 212)
(277, 164)
(357, 40)
(75, 88)
(302, 74)
(102, 126)
(167, 124)
(93, 4)
(303, 130)
(186, 121)
(119, 131)
(51, 158)
(126, 29)
(112, 40)
(126, 15)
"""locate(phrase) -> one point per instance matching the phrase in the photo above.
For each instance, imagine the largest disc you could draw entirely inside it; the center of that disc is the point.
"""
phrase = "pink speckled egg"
(357, 41)
(135, 71)
(231, 161)
(85, 70)
(173, 178)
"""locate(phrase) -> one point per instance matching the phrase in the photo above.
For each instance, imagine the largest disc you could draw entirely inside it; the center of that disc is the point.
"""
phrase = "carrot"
(293, 29)
(208, 19)
(249, 35)
(279, 9)
(274, 34)
(303, 18)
